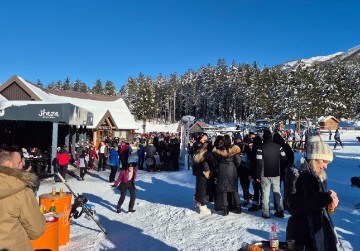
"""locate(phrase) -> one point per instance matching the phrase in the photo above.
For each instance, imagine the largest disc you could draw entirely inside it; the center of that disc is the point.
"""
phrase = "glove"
(207, 174)
(113, 187)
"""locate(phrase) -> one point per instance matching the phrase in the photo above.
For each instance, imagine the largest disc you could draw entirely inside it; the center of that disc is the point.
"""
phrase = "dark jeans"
(123, 187)
(63, 170)
(102, 161)
(175, 162)
(83, 171)
(257, 193)
(124, 164)
(245, 182)
(112, 173)
(91, 164)
(141, 162)
(338, 141)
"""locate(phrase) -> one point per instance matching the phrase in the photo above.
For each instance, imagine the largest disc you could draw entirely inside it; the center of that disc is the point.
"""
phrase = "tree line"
(245, 93)
(239, 92)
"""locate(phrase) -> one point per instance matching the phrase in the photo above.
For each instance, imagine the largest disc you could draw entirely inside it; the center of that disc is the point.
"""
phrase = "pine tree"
(67, 85)
(97, 88)
(145, 104)
(39, 83)
(109, 88)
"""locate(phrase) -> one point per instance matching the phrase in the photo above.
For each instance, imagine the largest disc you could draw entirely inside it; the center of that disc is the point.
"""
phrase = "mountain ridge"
(349, 55)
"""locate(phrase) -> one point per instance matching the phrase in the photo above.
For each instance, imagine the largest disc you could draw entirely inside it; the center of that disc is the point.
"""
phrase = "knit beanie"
(319, 150)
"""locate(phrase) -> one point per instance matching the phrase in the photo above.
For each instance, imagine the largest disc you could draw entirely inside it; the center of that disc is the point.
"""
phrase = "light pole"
(185, 123)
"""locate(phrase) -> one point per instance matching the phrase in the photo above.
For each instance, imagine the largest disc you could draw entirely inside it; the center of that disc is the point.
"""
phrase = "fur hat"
(319, 150)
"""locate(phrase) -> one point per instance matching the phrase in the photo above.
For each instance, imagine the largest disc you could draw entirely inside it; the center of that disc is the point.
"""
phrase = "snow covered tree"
(97, 88)
(67, 85)
(109, 89)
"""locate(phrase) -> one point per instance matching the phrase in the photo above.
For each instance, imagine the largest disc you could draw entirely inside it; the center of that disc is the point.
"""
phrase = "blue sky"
(114, 39)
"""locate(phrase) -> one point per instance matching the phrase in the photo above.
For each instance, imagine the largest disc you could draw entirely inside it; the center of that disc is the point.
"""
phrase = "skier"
(337, 139)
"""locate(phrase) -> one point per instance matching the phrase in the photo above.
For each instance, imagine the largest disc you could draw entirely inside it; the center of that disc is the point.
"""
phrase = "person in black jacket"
(244, 169)
(256, 201)
(201, 138)
(285, 166)
(174, 148)
(228, 158)
(310, 224)
(268, 159)
(205, 162)
(150, 151)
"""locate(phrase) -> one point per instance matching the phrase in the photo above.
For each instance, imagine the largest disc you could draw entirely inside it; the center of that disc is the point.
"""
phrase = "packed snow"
(166, 218)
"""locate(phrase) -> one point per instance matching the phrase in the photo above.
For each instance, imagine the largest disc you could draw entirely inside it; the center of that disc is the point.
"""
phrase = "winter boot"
(131, 210)
(253, 208)
(226, 211)
(279, 214)
(245, 202)
(204, 210)
(118, 210)
(238, 210)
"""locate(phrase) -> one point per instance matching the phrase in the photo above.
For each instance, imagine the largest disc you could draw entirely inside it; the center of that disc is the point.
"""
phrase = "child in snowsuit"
(126, 180)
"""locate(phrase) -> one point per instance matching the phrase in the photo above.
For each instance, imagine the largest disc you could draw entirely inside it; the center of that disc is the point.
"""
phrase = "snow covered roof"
(97, 104)
(324, 118)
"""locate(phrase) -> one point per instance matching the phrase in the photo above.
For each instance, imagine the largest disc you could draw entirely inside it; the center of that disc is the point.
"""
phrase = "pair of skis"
(84, 207)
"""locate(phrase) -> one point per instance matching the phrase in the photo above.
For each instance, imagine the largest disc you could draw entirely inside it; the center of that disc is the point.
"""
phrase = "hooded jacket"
(228, 162)
(20, 217)
(269, 157)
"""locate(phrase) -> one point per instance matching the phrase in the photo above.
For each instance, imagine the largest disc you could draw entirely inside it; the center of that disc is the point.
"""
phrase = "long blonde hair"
(320, 174)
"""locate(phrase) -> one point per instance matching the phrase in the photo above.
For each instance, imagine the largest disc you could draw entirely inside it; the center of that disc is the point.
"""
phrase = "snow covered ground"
(166, 219)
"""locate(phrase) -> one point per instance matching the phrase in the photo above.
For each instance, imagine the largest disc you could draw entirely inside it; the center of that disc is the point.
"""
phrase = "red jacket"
(63, 157)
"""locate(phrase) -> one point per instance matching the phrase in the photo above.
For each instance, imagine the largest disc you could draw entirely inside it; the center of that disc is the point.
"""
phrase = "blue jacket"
(114, 157)
(140, 150)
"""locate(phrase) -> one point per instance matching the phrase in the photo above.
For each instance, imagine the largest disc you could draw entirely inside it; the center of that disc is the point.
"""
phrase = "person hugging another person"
(228, 159)
(205, 162)
(126, 179)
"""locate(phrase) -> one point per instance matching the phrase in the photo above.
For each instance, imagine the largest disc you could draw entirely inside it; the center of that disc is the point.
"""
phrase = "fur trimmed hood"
(225, 154)
(199, 157)
(14, 180)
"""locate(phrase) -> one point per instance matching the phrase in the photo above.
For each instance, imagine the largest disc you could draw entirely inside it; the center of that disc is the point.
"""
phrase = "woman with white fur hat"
(310, 224)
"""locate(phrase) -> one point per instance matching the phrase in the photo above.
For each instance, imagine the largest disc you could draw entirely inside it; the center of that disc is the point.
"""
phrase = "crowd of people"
(297, 180)
(264, 161)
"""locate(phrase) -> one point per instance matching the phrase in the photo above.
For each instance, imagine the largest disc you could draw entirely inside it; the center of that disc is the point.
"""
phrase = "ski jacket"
(307, 198)
(124, 177)
(92, 153)
(150, 150)
(269, 156)
(114, 157)
(20, 217)
(289, 155)
(205, 162)
(63, 157)
(140, 150)
(228, 162)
